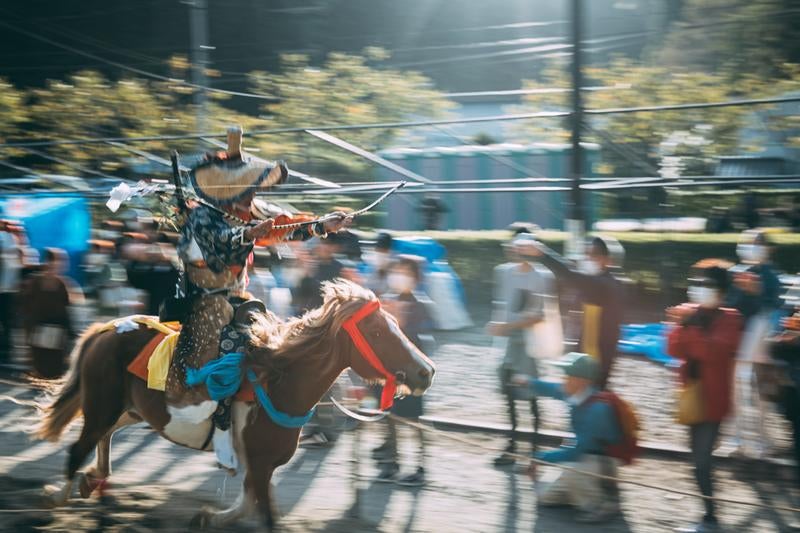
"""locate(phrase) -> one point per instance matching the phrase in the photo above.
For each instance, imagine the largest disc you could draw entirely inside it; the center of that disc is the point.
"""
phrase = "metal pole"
(576, 221)
(198, 18)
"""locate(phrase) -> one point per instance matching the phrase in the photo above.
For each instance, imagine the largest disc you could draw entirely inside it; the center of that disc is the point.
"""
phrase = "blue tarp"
(52, 221)
(649, 340)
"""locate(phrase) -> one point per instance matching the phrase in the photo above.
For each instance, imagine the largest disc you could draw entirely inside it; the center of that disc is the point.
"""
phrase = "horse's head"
(377, 348)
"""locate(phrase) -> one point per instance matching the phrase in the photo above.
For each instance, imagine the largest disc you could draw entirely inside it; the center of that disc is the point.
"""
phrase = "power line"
(680, 107)
(133, 69)
(414, 124)
(72, 165)
(543, 90)
(275, 131)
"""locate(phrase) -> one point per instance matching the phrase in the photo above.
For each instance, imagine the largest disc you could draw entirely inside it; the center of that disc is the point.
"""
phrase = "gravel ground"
(157, 486)
(466, 388)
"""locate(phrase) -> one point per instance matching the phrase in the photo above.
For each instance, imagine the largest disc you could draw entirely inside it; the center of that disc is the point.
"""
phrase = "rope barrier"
(471, 443)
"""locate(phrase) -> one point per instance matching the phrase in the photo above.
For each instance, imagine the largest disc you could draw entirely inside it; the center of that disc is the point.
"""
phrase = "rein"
(279, 417)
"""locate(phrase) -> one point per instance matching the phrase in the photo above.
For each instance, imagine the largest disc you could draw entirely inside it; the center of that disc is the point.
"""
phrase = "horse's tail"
(62, 402)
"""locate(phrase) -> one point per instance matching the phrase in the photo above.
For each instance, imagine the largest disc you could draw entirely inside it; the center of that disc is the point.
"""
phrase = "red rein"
(366, 351)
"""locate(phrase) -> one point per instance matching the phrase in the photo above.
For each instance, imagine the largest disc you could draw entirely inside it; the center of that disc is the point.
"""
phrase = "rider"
(216, 246)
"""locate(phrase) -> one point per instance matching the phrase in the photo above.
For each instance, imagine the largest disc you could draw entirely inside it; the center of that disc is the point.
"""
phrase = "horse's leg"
(262, 489)
(102, 408)
(242, 507)
(90, 436)
(244, 503)
(97, 475)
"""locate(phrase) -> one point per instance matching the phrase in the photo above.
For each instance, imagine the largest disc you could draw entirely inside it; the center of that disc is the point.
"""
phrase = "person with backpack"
(605, 429)
(706, 338)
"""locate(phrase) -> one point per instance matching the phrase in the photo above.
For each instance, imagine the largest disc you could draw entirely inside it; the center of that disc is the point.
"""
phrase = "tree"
(86, 104)
(669, 143)
(12, 111)
(634, 143)
(345, 89)
(743, 36)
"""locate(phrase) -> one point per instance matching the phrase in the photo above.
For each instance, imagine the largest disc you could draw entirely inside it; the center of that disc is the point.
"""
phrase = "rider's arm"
(291, 234)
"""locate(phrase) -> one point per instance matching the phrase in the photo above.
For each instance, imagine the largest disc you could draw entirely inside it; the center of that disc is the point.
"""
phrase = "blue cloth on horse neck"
(222, 376)
(279, 417)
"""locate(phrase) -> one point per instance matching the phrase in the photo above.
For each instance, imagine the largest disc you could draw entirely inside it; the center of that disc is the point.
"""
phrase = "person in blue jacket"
(595, 426)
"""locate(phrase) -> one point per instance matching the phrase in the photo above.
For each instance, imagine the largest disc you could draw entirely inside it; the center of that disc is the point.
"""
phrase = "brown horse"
(296, 360)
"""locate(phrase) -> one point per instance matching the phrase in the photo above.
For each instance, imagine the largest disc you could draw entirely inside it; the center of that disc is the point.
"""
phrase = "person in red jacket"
(706, 337)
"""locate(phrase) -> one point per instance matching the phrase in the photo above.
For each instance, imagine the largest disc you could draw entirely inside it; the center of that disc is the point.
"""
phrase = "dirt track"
(157, 486)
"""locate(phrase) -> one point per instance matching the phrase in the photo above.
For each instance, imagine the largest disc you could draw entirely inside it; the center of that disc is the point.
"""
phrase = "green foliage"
(87, 104)
(12, 110)
(737, 37)
(344, 90)
(668, 143)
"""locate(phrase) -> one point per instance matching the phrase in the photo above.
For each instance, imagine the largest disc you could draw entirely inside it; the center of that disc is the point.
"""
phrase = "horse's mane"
(276, 343)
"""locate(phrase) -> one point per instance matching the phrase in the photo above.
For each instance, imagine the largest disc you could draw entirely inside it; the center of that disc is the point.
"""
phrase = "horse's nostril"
(424, 373)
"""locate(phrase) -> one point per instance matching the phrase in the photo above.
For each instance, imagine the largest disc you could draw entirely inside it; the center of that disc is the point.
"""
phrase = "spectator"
(97, 267)
(520, 288)
(756, 295)
(46, 300)
(378, 262)
(706, 337)
(432, 209)
(323, 267)
(603, 296)
(9, 284)
(152, 271)
(261, 279)
(409, 307)
(595, 426)
(786, 348)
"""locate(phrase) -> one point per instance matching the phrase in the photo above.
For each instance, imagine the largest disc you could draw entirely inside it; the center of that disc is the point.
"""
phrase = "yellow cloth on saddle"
(151, 322)
(158, 363)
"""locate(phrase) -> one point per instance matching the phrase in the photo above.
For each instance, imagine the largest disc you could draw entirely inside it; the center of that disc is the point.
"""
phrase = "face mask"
(751, 253)
(703, 296)
(589, 267)
(400, 282)
(381, 260)
(573, 400)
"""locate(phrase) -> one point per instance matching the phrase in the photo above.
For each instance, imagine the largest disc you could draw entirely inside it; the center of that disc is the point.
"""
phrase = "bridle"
(366, 351)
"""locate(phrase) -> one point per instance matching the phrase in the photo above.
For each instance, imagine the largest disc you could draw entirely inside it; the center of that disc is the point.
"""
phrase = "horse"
(296, 360)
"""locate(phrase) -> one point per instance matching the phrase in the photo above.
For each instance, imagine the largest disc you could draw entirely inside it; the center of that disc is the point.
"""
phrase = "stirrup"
(242, 315)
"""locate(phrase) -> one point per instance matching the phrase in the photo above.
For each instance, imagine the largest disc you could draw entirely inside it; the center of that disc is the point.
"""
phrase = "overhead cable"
(132, 69)
(414, 124)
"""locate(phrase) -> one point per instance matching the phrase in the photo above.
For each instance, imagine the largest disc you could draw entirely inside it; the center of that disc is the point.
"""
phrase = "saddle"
(153, 362)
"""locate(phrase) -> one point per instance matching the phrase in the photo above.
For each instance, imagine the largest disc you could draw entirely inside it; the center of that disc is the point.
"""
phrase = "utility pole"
(575, 224)
(198, 30)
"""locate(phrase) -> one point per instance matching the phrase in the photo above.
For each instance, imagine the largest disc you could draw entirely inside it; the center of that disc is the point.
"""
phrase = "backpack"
(627, 449)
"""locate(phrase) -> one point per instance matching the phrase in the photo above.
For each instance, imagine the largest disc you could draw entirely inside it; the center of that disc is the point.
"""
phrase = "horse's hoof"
(201, 520)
